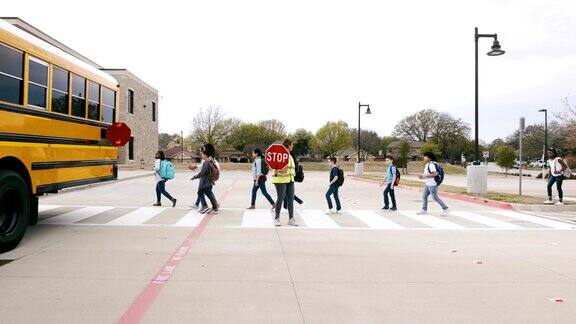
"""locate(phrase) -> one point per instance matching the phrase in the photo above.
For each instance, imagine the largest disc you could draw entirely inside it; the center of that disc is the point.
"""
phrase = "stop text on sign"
(275, 157)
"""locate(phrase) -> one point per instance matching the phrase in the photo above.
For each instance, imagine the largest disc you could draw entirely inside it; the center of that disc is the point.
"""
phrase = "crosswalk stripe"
(373, 220)
(43, 208)
(191, 219)
(76, 215)
(533, 219)
(257, 218)
(477, 218)
(315, 218)
(137, 217)
(432, 221)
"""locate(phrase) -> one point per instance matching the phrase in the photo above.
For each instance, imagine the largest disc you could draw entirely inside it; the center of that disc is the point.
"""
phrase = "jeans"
(432, 190)
(389, 191)
(161, 190)
(333, 190)
(558, 180)
(262, 186)
(285, 192)
(207, 192)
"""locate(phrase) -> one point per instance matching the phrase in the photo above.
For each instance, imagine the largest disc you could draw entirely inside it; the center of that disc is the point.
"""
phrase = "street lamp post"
(545, 111)
(477, 180)
(358, 169)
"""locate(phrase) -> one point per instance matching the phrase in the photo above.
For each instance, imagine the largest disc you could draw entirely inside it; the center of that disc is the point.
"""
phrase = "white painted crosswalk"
(458, 220)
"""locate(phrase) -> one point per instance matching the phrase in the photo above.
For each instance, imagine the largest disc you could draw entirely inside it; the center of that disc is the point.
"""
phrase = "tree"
(247, 137)
(331, 138)
(165, 141)
(302, 142)
(417, 127)
(210, 126)
(451, 135)
(505, 157)
(404, 156)
(369, 140)
(533, 139)
(274, 126)
(430, 147)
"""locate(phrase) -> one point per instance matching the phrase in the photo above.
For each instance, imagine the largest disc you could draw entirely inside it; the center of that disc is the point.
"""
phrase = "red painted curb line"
(144, 300)
(466, 198)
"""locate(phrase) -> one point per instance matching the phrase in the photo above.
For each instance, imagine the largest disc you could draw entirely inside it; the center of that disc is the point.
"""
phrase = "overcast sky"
(307, 62)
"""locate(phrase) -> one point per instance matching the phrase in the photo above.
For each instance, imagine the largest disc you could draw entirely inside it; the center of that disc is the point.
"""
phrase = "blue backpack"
(439, 178)
(166, 170)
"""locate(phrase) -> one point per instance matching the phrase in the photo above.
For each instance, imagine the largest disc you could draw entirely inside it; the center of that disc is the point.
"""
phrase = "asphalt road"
(105, 255)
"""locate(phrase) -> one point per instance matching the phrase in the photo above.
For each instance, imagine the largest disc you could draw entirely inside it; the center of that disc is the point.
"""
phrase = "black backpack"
(340, 180)
(264, 167)
(299, 177)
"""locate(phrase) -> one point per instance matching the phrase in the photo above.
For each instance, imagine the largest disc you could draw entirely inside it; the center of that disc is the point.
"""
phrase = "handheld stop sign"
(277, 157)
(118, 134)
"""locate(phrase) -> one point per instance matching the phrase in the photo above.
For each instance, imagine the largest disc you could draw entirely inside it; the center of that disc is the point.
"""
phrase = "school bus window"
(93, 100)
(37, 83)
(59, 90)
(78, 96)
(108, 104)
(11, 72)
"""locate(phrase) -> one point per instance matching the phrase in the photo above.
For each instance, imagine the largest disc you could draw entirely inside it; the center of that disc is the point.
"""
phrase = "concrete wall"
(144, 129)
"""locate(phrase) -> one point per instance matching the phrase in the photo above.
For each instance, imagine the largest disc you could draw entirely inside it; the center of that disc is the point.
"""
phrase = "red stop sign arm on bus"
(118, 134)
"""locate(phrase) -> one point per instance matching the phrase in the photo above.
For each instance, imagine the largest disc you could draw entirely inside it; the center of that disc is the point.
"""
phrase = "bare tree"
(274, 125)
(210, 126)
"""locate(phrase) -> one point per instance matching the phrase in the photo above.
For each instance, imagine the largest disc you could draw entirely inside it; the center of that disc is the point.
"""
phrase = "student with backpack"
(391, 180)
(336, 177)
(208, 175)
(558, 170)
(259, 172)
(163, 171)
(433, 176)
(194, 168)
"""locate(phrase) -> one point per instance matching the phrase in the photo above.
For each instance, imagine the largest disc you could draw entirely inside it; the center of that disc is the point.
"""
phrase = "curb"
(466, 198)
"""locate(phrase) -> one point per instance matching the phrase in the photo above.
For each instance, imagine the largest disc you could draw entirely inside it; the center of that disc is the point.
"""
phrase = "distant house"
(351, 153)
(415, 146)
(233, 155)
(178, 154)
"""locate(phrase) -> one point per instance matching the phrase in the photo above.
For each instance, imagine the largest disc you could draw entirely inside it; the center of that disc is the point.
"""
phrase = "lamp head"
(368, 112)
(496, 50)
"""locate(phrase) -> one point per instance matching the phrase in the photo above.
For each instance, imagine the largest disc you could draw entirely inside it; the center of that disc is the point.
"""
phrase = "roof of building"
(231, 152)
(413, 144)
(44, 45)
(132, 75)
(176, 151)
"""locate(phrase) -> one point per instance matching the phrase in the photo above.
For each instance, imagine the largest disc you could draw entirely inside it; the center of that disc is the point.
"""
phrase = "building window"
(11, 75)
(131, 148)
(108, 105)
(37, 83)
(131, 101)
(78, 96)
(153, 111)
(60, 80)
(93, 100)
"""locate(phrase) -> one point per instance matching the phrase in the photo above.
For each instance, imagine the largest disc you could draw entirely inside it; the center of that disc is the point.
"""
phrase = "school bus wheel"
(14, 209)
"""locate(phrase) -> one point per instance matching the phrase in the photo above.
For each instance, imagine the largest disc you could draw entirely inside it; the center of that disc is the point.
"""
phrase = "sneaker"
(548, 202)
(214, 211)
(251, 207)
(393, 208)
(199, 209)
(292, 222)
(385, 208)
(422, 212)
(329, 211)
(445, 212)
(339, 211)
(157, 204)
(204, 210)
(174, 202)
(560, 203)
(277, 222)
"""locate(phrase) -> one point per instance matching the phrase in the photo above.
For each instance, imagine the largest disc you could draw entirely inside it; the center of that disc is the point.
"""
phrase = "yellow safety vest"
(287, 175)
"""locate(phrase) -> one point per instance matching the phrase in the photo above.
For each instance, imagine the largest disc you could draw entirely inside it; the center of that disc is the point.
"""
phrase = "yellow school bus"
(54, 113)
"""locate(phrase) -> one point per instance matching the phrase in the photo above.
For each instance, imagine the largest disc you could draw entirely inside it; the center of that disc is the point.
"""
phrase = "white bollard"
(359, 168)
(477, 179)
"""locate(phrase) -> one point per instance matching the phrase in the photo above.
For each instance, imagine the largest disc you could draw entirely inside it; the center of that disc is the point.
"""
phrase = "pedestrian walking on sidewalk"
(284, 183)
(194, 168)
(259, 176)
(432, 176)
(208, 176)
(390, 181)
(163, 171)
(558, 170)
(334, 185)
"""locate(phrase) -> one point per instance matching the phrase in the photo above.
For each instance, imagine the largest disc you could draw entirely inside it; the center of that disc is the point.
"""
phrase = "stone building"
(138, 101)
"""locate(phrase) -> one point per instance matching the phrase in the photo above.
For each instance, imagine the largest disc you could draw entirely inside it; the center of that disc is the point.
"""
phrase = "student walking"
(333, 186)
(259, 173)
(208, 176)
(194, 168)
(390, 182)
(431, 176)
(284, 183)
(557, 168)
(161, 165)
